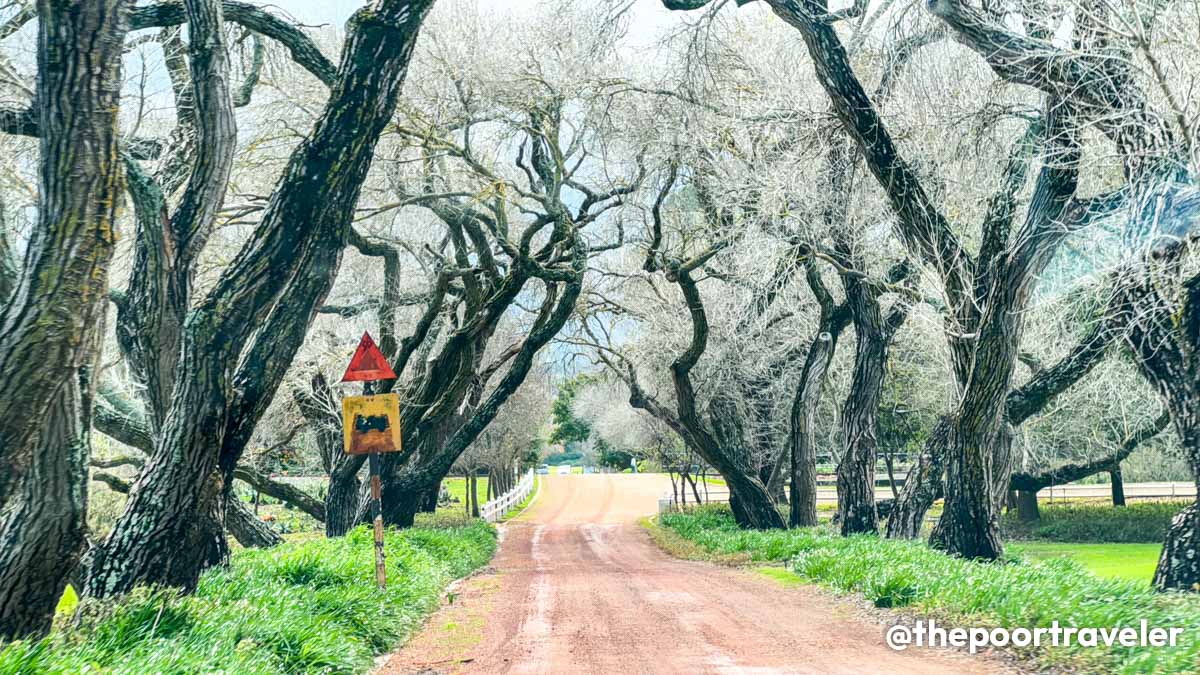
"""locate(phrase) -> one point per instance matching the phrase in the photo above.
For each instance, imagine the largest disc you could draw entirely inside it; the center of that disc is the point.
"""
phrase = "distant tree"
(613, 457)
(567, 427)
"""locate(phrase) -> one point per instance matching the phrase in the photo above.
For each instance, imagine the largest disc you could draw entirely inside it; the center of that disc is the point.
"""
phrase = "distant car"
(564, 469)
(544, 469)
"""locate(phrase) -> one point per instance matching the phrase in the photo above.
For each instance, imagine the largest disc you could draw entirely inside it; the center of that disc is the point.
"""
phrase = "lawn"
(1135, 562)
(457, 487)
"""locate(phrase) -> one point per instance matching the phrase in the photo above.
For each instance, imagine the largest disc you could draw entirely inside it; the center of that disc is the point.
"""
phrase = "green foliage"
(1015, 593)
(564, 458)
(612, 457)
(531, 459)
(1144, 522)
(308, 607)
(567, 427)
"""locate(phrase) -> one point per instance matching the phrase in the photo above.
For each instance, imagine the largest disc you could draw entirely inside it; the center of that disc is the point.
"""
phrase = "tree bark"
(9, 274)
(51, 323)
(430, 502)
(43, 531)
(341, 502)
(46, 321)
(1027, 506)
(1178, 565)
(969, 526)
(833, 319)
(860, 414)
(1118, 485)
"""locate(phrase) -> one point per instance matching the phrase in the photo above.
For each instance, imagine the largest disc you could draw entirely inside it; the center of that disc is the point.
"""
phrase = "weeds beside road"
(302, 607)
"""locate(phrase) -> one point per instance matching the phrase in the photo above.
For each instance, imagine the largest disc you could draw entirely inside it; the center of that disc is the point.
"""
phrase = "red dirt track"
(579, 587)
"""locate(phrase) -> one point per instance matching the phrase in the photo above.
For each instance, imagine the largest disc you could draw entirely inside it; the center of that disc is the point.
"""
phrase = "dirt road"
(578, 587)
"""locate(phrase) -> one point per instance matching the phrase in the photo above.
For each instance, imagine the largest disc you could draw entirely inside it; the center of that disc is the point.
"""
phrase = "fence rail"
(1160, 490)
(495, 509)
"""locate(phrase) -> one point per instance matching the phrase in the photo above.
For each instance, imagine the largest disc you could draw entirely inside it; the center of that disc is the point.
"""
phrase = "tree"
(567, 427)
(1161, 225)
(53, 307)
(986, 293)
(522, 248)
(258, 312)
(718, 434)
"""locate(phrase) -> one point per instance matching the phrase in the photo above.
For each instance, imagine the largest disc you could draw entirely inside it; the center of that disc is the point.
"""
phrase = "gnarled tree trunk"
(42, 533)
(801, 437)
(52, 319)
(922, 487)
(860, 414)
(1178, 564)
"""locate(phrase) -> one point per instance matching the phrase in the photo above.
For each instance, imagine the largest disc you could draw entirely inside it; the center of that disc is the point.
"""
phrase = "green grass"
(457, 487)
(1019, 592)
(309, 607)
(1135, 562)
(1141, 522)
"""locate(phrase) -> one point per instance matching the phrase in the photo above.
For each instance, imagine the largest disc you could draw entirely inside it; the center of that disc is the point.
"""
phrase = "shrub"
(1141, 522)
(308, 607)
(1013, 593)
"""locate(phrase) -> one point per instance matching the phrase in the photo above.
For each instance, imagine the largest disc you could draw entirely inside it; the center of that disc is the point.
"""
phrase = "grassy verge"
(1017, 593)
(307, 607)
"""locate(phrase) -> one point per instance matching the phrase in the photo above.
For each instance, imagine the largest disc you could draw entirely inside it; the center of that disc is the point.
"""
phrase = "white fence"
(1160, 490)
(495, 509)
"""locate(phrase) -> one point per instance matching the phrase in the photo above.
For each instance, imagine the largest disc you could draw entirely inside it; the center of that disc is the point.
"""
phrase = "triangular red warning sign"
(368, 363)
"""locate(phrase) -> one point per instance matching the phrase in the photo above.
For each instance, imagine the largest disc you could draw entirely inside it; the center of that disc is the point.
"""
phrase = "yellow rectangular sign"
(371, 423)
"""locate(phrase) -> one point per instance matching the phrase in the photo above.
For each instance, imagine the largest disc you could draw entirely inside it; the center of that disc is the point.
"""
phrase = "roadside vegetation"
(301, 607)
(1016, 592)
(1142, 522)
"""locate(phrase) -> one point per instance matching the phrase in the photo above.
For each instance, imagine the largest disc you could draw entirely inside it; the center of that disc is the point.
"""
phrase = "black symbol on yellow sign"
(371, 423)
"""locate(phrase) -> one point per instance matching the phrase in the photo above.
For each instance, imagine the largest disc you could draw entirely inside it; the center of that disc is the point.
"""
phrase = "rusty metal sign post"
(371, 425)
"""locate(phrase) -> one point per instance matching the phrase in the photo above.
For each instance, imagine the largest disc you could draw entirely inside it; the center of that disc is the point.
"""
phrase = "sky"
(649, 17)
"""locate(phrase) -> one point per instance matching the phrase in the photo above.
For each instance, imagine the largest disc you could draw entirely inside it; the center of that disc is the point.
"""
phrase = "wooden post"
(377, 507)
